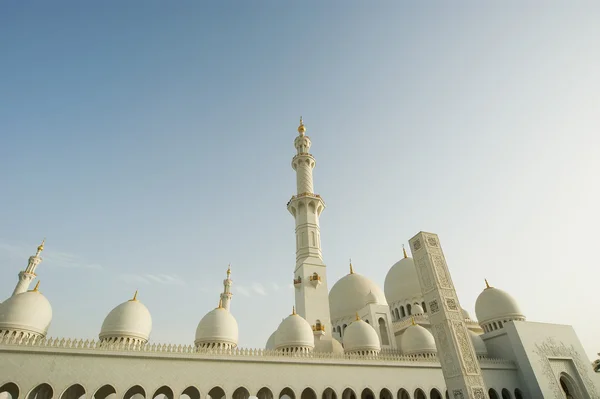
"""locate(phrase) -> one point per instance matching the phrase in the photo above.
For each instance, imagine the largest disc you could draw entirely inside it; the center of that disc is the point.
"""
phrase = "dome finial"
(357, 316)
(41, 247)
(412, 320)
(301, 128)
(351, 268)
(487, 285)
(37, 287)
(134, 299)
(404, 250)
(228, 270)
(293, 310)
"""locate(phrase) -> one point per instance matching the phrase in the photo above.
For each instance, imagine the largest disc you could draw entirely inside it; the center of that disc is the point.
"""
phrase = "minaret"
(310, 279)
(226, 295)
(28, 274)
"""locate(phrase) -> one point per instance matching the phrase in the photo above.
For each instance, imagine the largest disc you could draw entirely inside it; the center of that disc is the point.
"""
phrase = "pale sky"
(151, 142)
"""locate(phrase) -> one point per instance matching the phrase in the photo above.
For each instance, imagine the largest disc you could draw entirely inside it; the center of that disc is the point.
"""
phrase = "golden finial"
(220, 303)
(404, 250)
(229, 270)
(412, 319)
(293, 310)
(134, 299)
(357, 316)
(41, 247)
(351, 268)
(301, 128)
(487, 285)
(37, 287)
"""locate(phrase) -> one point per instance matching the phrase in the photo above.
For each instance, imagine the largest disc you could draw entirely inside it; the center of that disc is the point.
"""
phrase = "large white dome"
(271, 341)
(28, 311)
(130, 319)
(351, 293)
(478, 344)
(417, 340)
(294, 332)
(329, 345)
(360, 336)
(494, 304)
(402, 283)
(217, 327)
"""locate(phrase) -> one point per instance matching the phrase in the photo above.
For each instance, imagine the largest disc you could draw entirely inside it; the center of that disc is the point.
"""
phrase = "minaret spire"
(27, 275)
(226, 295)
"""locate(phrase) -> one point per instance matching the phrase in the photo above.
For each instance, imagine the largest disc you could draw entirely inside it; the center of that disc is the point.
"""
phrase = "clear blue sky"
(150, 142)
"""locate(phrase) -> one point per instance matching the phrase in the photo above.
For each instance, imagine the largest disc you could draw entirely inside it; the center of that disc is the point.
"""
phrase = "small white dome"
(329, 345)
(465, 314)
(351, 293)
(402, 283)
(28, 311)
(130, 319)
(478, 344)
(271, 341)
(417, 340)
(417, 309)
(494, 304)
(217, 327)
(294, 332)
(361, 336)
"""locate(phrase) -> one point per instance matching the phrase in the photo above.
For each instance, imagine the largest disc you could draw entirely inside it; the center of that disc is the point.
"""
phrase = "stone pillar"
(455, 349)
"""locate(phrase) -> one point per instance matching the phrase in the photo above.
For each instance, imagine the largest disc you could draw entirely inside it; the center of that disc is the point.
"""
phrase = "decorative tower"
(28, 274)
(226, 295)
(455, 350)
(310, 279)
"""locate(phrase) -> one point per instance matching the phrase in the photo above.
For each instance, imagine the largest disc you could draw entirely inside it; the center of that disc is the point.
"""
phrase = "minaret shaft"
(226, 295)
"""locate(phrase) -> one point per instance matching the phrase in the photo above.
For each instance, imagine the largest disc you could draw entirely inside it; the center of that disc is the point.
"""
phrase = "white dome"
(417, 309)
(271, 341)
(361, 336)
(28, 311)
(478, 344)
(402, 283)
(294, 332)
(351, 293)
(219, 327)
(493, 304)
(330, 345)
(130, 319)
(417, 340)
(465, 314)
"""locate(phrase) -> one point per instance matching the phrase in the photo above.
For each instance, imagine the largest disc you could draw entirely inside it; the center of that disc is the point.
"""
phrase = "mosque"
(411, 340)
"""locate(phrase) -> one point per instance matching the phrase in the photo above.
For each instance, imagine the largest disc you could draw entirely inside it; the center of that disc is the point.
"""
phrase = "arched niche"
(264, 393)
(367, 394)
(287, 393)
(506, 394)
(518, 394)
(165, 392)
(385, 394)
(216, 393)
(329, 393)
(42, 391)
(75, 391)
(348, 394)
(241, 393)
(308, 393)
(11, 389)
(435, 394)
(420, 394)
(403, 394)
(105, 392)
(135, 392)
(191, 393)
(493, 394)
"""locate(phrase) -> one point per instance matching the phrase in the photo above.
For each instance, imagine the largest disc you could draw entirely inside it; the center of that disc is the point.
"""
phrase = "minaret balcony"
(308, 199)
(318, 329)
(315, 280)
(298, 282)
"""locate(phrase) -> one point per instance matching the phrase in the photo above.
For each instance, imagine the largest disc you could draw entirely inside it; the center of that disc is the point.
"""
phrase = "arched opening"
(403, 394)
(424, 307)
(287, 393)
(42, 391)
(75, 391)
(396, 314)
(164, 392)
(402, 312)
(135, 391)
(435, 394)
(495, 325)
(385, 340)
(348, 394)
(191, 392)
(105, 392)
(447, 395)
(216, 393)
(264, 393)
(241, 393)
(308, 393)
(11, 389)
(493, 394)
(367, 394)
(385, 394)
(408, 309)
(419, 394)
(329, 394)
(506, 394)
(518, 394)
